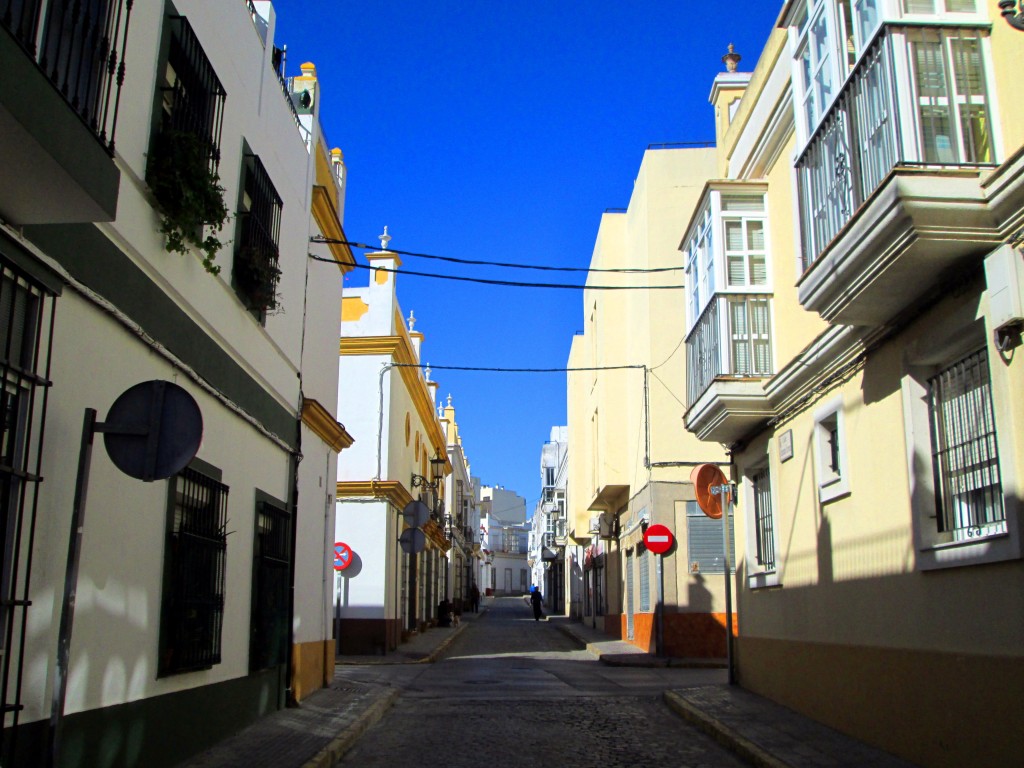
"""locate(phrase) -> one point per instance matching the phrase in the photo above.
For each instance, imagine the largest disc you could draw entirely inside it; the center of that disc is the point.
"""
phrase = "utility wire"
(637, 270)
(516, 370)
(508, 283)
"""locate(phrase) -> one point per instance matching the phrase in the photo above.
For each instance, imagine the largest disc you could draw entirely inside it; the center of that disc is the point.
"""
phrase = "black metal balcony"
(79, 46)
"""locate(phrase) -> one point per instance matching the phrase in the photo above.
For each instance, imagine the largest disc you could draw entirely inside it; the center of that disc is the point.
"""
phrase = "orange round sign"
(704, 477)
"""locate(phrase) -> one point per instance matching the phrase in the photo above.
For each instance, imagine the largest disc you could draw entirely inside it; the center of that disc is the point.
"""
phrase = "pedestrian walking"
(537, 600)
(474, 597)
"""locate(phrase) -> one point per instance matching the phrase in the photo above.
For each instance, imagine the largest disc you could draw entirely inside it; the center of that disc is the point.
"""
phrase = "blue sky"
(501, 130)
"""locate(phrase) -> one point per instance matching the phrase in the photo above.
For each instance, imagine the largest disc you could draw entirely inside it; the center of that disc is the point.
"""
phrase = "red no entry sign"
(342, 556)
(658, 539)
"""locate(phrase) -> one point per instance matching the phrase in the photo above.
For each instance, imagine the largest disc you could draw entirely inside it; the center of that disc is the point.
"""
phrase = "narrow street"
(510, 691)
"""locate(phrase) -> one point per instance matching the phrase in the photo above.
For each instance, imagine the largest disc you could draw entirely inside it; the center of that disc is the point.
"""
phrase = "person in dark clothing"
(537, 600)
(474, 597)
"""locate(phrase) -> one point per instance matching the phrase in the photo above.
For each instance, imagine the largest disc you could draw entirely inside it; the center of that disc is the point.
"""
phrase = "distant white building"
(548, 530)
(504, 569)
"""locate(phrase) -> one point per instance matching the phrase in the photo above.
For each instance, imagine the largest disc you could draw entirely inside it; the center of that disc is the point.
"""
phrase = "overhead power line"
(507, 283)
(546, 268)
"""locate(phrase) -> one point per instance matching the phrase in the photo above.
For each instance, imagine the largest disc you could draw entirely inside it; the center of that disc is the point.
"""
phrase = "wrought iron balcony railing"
(917, 96)
(732, 337)
(79, 47)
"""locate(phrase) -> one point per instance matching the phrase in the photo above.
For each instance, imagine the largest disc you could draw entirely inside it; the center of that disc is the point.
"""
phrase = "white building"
(548, 531)
(182, 633)
(505, 531)
(389, 404)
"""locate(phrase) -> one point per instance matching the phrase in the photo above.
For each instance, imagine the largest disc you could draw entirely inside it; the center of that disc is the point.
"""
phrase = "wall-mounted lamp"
(433, 485)
(1013, 16)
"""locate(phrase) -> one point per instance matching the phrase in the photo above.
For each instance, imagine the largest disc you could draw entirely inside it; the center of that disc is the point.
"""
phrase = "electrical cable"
(506, 283)
(352, 244)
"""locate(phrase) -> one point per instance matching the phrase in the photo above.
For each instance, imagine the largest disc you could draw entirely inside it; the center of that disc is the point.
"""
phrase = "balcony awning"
(609, 498)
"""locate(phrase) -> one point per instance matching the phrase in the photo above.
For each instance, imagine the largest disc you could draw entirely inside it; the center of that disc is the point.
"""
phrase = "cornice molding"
(399, 349)
(388, 490)
(325, 426)
(327, 219)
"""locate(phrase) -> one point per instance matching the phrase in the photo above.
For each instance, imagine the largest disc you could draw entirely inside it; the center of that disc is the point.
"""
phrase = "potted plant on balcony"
(189, 193)
(256, 275)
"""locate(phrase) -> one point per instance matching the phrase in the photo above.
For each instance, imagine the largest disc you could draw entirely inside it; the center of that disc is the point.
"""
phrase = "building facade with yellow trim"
(855, 286)
(387, 402)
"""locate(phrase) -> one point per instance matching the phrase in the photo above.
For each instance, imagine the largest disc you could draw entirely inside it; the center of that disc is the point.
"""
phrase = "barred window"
(256, 271)
(192, 613)
(270, 586)
(763, 522)
(965, 456)
(192, 97)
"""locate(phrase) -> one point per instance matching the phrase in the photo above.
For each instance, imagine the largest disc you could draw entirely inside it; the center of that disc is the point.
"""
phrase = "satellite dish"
(704, 477)
(416, 514)
(153, 430)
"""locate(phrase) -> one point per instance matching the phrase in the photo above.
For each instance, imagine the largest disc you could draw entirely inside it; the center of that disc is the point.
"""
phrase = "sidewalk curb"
(721, 733)
(330, 755)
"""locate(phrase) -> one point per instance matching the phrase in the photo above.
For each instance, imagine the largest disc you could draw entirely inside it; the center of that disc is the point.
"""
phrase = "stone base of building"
(686, 635)
(359, 637)
(312, 667)
(156, 732)
(931, 708)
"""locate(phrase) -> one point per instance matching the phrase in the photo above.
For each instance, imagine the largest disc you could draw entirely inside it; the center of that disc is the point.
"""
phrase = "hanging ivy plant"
(256, 275)
(189, 193)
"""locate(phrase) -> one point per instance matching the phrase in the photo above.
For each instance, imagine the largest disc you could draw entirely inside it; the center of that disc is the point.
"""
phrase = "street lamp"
(1014, 17)
(432, 485)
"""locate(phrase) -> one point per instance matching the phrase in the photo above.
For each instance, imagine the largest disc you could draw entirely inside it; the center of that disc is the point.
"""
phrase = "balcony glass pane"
(742, 203)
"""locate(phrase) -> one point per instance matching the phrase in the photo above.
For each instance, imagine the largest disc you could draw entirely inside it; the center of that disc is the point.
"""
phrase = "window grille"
(256, 271)
(630, 559)
(643, 563)
(965, 457)
(27, 311)
(270, 587)
(193, 97)
(763, 521)
(704, 541)
(193, 598)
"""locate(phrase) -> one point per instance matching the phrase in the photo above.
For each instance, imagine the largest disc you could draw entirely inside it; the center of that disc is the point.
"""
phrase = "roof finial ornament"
(427, 372)
(411, 321)
(384, 239)
(449, 400)
(731, 59)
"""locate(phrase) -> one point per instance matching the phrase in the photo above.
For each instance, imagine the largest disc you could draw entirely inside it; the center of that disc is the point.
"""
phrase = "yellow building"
(866, 248)
(630, 460)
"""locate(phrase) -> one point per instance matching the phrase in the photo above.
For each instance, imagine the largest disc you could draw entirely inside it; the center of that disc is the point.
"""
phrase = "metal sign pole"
(724, 492)
(661, 606)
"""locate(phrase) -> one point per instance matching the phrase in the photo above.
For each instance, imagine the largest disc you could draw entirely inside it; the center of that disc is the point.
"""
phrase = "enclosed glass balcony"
(917, 98)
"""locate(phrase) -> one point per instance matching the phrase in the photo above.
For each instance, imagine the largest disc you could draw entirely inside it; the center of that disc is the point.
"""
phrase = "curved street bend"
(510, 691)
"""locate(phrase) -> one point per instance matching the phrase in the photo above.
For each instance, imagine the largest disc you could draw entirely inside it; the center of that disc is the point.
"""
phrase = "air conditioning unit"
(595, 525)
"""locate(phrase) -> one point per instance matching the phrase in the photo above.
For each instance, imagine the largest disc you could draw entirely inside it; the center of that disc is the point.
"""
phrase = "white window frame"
(744, 219)
(759, 577)
(959, 332)
(939, 9)
(831, 461)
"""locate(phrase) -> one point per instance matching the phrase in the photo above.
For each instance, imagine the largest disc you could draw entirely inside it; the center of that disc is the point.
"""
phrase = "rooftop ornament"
(732, 59)
(384, 239)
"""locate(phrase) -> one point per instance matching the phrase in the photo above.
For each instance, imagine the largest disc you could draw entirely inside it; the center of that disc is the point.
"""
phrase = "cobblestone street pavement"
(510, 691)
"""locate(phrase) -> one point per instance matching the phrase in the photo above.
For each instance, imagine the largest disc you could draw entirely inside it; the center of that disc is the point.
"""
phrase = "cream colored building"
(630, 458)
(387, 402)
(858, 305)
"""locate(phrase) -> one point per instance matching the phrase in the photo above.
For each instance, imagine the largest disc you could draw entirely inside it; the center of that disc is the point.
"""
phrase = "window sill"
(763, 580)
(833, 490)
(994, 548)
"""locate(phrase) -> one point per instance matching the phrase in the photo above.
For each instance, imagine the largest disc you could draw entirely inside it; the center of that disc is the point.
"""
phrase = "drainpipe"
(293, 470)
